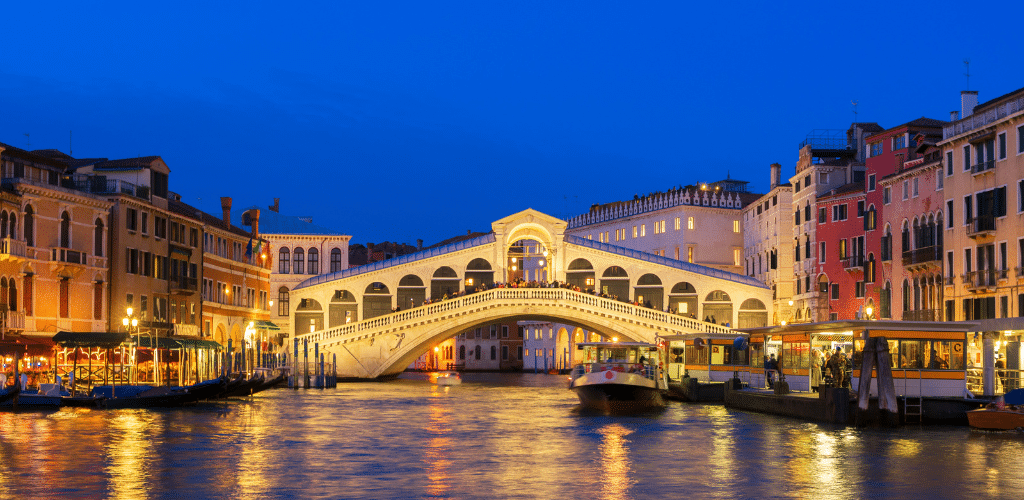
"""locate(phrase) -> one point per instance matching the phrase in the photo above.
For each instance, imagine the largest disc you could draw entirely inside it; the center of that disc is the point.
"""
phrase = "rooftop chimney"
(968, 100)
(254, 215)
(954, 116)
(276, 207)
(225, 205)
(776, 174)
(419, 244)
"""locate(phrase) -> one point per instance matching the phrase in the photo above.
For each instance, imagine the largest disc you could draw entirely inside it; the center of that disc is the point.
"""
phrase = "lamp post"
(131, 324)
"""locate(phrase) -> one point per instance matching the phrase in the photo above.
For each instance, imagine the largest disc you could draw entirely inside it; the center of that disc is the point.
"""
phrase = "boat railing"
(1005, 380)
(644, 369)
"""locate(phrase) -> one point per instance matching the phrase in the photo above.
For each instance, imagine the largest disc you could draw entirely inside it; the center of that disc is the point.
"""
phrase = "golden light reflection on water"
(129, 450)
(255, 454)
(437, 455)
(615, 463)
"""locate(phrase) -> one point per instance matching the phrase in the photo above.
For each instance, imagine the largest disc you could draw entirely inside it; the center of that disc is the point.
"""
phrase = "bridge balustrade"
(331, 335)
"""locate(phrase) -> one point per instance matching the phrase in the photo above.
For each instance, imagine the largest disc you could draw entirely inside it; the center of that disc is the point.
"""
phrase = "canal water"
(495, 436)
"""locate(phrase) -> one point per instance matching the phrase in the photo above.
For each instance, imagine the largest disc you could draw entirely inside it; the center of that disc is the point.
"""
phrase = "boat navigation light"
(615, 339)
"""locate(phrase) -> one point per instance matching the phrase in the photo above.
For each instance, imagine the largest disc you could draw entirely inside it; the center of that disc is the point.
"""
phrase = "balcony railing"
(922, 255)
(981, 226)
(184, 283)
(853, 262)
(10, 247)
(14, 320)
(99, 184)
(984, 279)
(923, 315)
(980, 168)
(948, 280)
(984, 118)
(67, 255)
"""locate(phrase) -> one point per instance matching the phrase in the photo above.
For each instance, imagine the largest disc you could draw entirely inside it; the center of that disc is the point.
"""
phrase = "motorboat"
(44, 397)
(142, 396)
(619, 377)
(448, 378)
(9, 393)
(1005, 414)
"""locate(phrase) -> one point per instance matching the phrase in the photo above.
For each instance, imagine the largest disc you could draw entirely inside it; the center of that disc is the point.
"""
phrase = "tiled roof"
(126, 163)
(456, 239)
(186, 210)
(845, 189)
(272, 222)
(997, 99)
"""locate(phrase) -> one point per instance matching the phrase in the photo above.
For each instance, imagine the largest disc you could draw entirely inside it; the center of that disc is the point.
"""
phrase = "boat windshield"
(622, 358)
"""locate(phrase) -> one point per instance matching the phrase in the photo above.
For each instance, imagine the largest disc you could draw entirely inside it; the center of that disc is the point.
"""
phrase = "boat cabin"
(708, 357)
(616, 356)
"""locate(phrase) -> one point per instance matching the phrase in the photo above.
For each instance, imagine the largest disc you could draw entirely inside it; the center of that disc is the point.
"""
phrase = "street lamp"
(131, 323)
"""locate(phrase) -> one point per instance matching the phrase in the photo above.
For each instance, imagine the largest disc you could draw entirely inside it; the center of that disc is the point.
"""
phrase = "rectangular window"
(821, 252)
(737, 255)
(643, 230)
(949, 264)
(689, 223)
(838, 212)
(968, 210)
(735, 226)
(1001, 140)
(915, 186)
(860, 208)
(899, 142)
(887, 195)
(859, 289)
(949, 212)
(1020, 146)
(689, 254)
(906, 190)
(949, 163)
(967, 158)
(677, 224)
(634, 232)
(871, 182)
(145, 222)
(821, 215)
(939, 181)
(876, 149)
(131, 219)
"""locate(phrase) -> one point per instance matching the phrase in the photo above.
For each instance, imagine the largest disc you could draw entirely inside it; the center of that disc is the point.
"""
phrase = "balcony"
(948, 280)
(980, 281)
(983, 167)
(14, 320)
(981, 226)
(99, 184)
(923, 315)
(67, 263)
(12, 250)
(921, 258)
(853, 263)
(183, 285)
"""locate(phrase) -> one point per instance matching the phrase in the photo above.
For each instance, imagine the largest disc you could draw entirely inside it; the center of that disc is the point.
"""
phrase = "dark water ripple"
(496, 436)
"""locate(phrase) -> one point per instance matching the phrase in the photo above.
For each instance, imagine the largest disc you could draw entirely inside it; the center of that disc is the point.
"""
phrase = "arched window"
(97, 238)
(65, 230)
(3, 224)
(13, 226)
(906, 295)
(335, 260)
(284, 260)
(298, 259)
(12, 295)
(30, 238)
(477, 353)
(462, 352)
(314, 261)
(282, 301)
(494, 352)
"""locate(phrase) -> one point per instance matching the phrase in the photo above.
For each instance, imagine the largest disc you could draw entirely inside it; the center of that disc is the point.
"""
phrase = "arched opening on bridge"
(562, 349)
(479, 275)
(309, 312)
(753, 314)
(580, 274)
(342, 309)
(528, 261)
(683, 300)
(444, 282)
(376, 300)
(411, 292)
(615, 283)
(649, 292)
(718, 306)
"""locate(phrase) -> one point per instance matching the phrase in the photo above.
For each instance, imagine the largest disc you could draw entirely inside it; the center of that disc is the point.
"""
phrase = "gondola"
(9, 393)
(245, 389)
(268, 384)
(152, 397)
(208, 389)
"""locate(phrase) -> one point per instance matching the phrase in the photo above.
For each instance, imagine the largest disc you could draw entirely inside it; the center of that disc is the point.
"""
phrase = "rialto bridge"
(378, 318)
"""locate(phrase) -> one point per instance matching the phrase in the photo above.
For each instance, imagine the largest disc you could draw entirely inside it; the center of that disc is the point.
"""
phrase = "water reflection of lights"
(130, 451)
(615, 461)
(252, 467)
(437, 457)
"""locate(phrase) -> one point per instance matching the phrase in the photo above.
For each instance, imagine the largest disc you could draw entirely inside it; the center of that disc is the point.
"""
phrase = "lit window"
(677, 223)
(689, 254)
(735, 226)
(689, 223)
(643, 230)
(736, 256)
(634, 231)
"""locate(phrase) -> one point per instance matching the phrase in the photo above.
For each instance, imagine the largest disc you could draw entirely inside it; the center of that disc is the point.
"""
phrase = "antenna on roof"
(967, 72)
(70, 151)
(27, 144)
(854, 102)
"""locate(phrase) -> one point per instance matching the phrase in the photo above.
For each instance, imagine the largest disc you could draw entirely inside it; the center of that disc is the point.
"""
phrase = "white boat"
(448, 378)
(619, 376)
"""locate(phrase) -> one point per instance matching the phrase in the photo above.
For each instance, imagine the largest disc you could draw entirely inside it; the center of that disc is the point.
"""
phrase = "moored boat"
(618, 376)
(9, 393)
(1005, 414)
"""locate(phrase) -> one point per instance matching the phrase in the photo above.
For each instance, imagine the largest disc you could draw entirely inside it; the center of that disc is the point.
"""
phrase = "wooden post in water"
(887, 406)
(305, 363)
(864, 385)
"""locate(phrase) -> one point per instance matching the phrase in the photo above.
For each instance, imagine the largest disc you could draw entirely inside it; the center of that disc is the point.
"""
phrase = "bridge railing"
(352, 330)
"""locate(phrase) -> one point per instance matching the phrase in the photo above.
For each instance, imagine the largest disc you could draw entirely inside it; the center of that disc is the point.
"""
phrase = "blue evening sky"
(405, 120)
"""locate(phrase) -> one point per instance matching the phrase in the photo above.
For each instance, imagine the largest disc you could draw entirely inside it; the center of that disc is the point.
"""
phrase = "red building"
(847, 268)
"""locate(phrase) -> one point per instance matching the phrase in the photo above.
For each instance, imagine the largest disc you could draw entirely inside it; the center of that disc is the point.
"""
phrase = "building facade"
(767, 243)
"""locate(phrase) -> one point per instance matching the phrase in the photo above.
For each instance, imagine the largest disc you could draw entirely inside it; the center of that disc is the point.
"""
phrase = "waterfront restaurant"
(928, 358)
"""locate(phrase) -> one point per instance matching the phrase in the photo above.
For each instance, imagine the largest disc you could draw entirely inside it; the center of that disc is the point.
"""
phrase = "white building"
(768, 242)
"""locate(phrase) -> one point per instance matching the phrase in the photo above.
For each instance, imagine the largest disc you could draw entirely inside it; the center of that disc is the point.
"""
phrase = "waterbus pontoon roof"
(860, 325)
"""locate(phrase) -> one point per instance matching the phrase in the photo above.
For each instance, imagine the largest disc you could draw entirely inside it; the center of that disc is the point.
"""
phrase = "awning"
(106, 340)
(261, 324)
(194, 343)
(146, 342)
(36, 346)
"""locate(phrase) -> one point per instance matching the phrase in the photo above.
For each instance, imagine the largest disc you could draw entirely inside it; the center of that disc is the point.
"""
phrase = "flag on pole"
(259, 247)
(248, 249)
